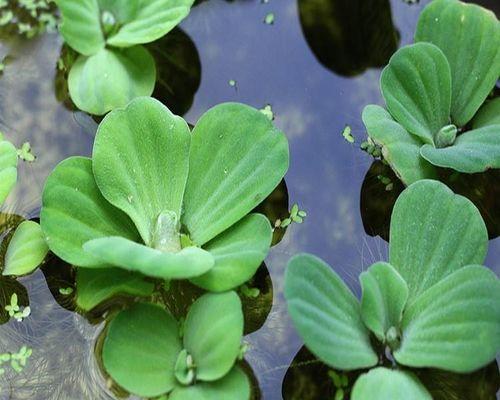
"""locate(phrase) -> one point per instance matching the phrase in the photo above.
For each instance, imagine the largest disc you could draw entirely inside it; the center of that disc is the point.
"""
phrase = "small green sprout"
(25, 153)
(347, 134)
(249, 292)
(296, 215)
(66, 291)
(386, 181)
(269, 19)
(15, 311)
(268, 111)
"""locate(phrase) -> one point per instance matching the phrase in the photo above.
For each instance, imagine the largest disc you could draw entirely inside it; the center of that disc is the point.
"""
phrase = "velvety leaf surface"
(127, 254)
(488, 114)
(469, 36)
(141, 160)
(81, 25)
(473, 151)
(433, 233)
(8, 168)
(384, 298)
(141, 348)
(326, 314)
(383, 384)
(238, 252)
(235, 385)
(149, 20)
(74, 212)
(454, 325)
(416, 85)
(94, 286)
(213, 330)
(26, 251)
(237, 158)
(111, 78)
(399, 148)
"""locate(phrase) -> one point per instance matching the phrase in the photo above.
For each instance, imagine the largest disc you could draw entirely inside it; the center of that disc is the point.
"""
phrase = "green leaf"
(235, 385)
(416, 85)
(94, 286)
(469, 36)
(327, 315)
(141, 161)
(75, 212)
(384, 298)
(8, 168)
(81, 25)
(433, 233)
(123, 11)
(127, 254)
(141, 348)
(26, 251)
(399, 148)
(237, 158)
(454, 325)
(111, 78)
(473, 151)
(212, 334)
(383, 384)
(238, 253)
(488, 114)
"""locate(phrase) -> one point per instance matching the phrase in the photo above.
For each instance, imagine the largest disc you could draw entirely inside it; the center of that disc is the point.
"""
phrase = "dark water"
(317, 81)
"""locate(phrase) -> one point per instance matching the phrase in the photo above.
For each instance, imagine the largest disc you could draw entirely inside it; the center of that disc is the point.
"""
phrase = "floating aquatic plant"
(27, 17)
(114, 67)
(432, 305)
(8, 168)
(435, 92)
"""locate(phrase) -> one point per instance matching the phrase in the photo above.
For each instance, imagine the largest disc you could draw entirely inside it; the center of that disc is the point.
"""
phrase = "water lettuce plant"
(435, 92)
(149, 353)
(433, 305)
(167, 203)
(113, 66)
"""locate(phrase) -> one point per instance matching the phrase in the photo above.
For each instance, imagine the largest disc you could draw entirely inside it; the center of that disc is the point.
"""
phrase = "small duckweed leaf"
(8, 168)
(488, 114)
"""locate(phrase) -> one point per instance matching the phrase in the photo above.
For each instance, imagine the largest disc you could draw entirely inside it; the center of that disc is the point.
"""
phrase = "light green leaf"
(123, 11)
(8, 168)
(469, 36)
(238, 253)
(454, 325)
(327, 315)
(111, 78)
(81, 25)
(26, 251)
(235, 385)
(94, 286)
(433, 233)
(74, 212)
(141, 161)
(383, 300)
(127, 254)
(473, 151)
(488, 114)
(384, 384)
(399, 148)
(237, 158)
(416, 85)
(151, 20)
(212, 334)
(141, 348)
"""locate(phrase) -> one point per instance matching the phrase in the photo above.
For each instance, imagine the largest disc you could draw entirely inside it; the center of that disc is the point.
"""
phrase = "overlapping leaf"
(488, 114)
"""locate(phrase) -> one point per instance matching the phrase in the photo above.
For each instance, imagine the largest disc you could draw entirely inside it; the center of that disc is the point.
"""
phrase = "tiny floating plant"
(435, 91)
(433, 305)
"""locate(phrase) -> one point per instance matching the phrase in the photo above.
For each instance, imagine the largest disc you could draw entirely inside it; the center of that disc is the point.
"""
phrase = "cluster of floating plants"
(27, 17)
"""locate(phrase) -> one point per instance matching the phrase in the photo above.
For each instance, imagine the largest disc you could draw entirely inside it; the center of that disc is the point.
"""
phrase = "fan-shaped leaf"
(8, 168)
(488, 114)
(454, 325)
(326, 314)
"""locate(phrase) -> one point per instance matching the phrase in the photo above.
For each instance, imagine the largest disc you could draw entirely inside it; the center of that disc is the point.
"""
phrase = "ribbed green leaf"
(384, 298)
(8, 168)
(212, 334)
(384, 384)
(26, 251)
(469, 36)
(433, 233)
(416, 85)
(81, 25)
(75, 212)
(141, 348)
(473, 151)
(326, 314)
(140, 161)
(399, 148)
(95, 286)
(488, 114)
(111, 78)
(237, 158)
(454, 325)
(238, 253)
(127, 254)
